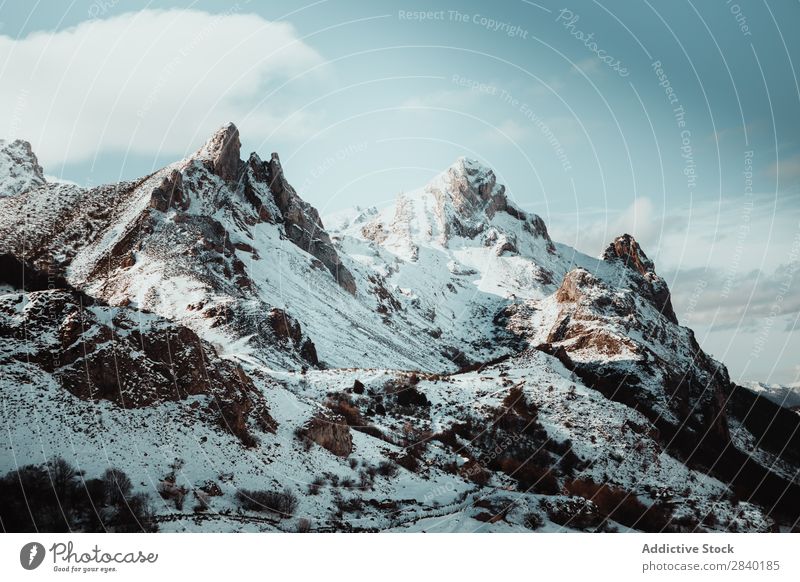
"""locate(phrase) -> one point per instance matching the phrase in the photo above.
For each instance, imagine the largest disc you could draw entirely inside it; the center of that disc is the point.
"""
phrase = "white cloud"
(709, 297)
(151, 82)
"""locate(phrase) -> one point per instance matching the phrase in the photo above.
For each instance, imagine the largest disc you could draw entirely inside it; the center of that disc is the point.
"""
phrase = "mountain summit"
(19, 168)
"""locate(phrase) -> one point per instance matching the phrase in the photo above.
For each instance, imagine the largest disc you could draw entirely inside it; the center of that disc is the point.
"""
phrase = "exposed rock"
(221, 153)
(594, 333)
(169, 193)
(19, 169)
(330, 431)
(625, 248)
(113, 354)
(474, 188)
(574, 282)
(304, 226)
(287, 329)
(256, 176)
(535, 225)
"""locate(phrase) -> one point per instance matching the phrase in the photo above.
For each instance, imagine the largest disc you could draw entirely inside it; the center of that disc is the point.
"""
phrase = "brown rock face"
(574, 281)
(288, 329)
(221, 152)
(330, 431)
(114, 354)
(625, 248)
(597, 320)
(169, 194)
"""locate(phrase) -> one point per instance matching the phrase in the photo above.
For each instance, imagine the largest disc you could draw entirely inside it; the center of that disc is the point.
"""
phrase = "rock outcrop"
(120, 355)
(221, 153)
(169, 193)
(19, 168)
(619, 334)
(474, 189)
(330, 431)
(625, 249)
(287, 329)
(304, 226)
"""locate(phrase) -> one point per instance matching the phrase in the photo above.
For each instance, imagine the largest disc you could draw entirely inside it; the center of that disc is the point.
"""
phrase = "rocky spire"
(221, 153)
(19, 169)
(474, 188)
(304, 226)
(625, 249)
(628, 250)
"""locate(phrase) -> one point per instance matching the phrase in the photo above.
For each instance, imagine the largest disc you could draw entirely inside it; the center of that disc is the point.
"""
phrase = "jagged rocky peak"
(304, 226)
(19, 168)
(262, 184)
(463, 202)
(474, 187)
(476, 195)
(628, 250)
(625, 249)
(221, 153)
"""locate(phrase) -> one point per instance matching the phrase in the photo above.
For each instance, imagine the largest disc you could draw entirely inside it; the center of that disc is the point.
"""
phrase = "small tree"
(116, 486)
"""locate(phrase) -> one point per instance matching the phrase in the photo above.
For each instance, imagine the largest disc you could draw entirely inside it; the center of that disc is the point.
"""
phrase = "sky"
(676, 121)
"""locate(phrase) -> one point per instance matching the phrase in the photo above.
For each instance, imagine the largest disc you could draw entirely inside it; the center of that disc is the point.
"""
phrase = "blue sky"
(676, 121)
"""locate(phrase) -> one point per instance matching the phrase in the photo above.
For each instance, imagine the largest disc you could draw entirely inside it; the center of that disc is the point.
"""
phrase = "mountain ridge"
(372, 364)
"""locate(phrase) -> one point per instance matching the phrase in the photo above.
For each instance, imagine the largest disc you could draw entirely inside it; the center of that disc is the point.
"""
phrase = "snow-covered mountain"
(19, 169)
(438, 365)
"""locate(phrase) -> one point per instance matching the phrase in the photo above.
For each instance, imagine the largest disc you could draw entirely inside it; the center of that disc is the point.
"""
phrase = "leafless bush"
(282, 503)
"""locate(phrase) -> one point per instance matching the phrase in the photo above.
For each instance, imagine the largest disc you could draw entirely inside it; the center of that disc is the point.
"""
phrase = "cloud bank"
(159, 79)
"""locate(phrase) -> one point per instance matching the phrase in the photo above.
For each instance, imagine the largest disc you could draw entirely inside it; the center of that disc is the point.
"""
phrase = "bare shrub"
(621, 506)
(533, 521)
(387, 469)
(171, 492)
(282, 503)
(116, 486)
(575, 513)
(316, 486)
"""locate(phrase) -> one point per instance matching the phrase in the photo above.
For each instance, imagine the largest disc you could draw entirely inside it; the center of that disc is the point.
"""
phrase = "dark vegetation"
(56, 497)
(777, 429)
(515, 443)
(282, 503)
(622, 506)
(24, 276)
